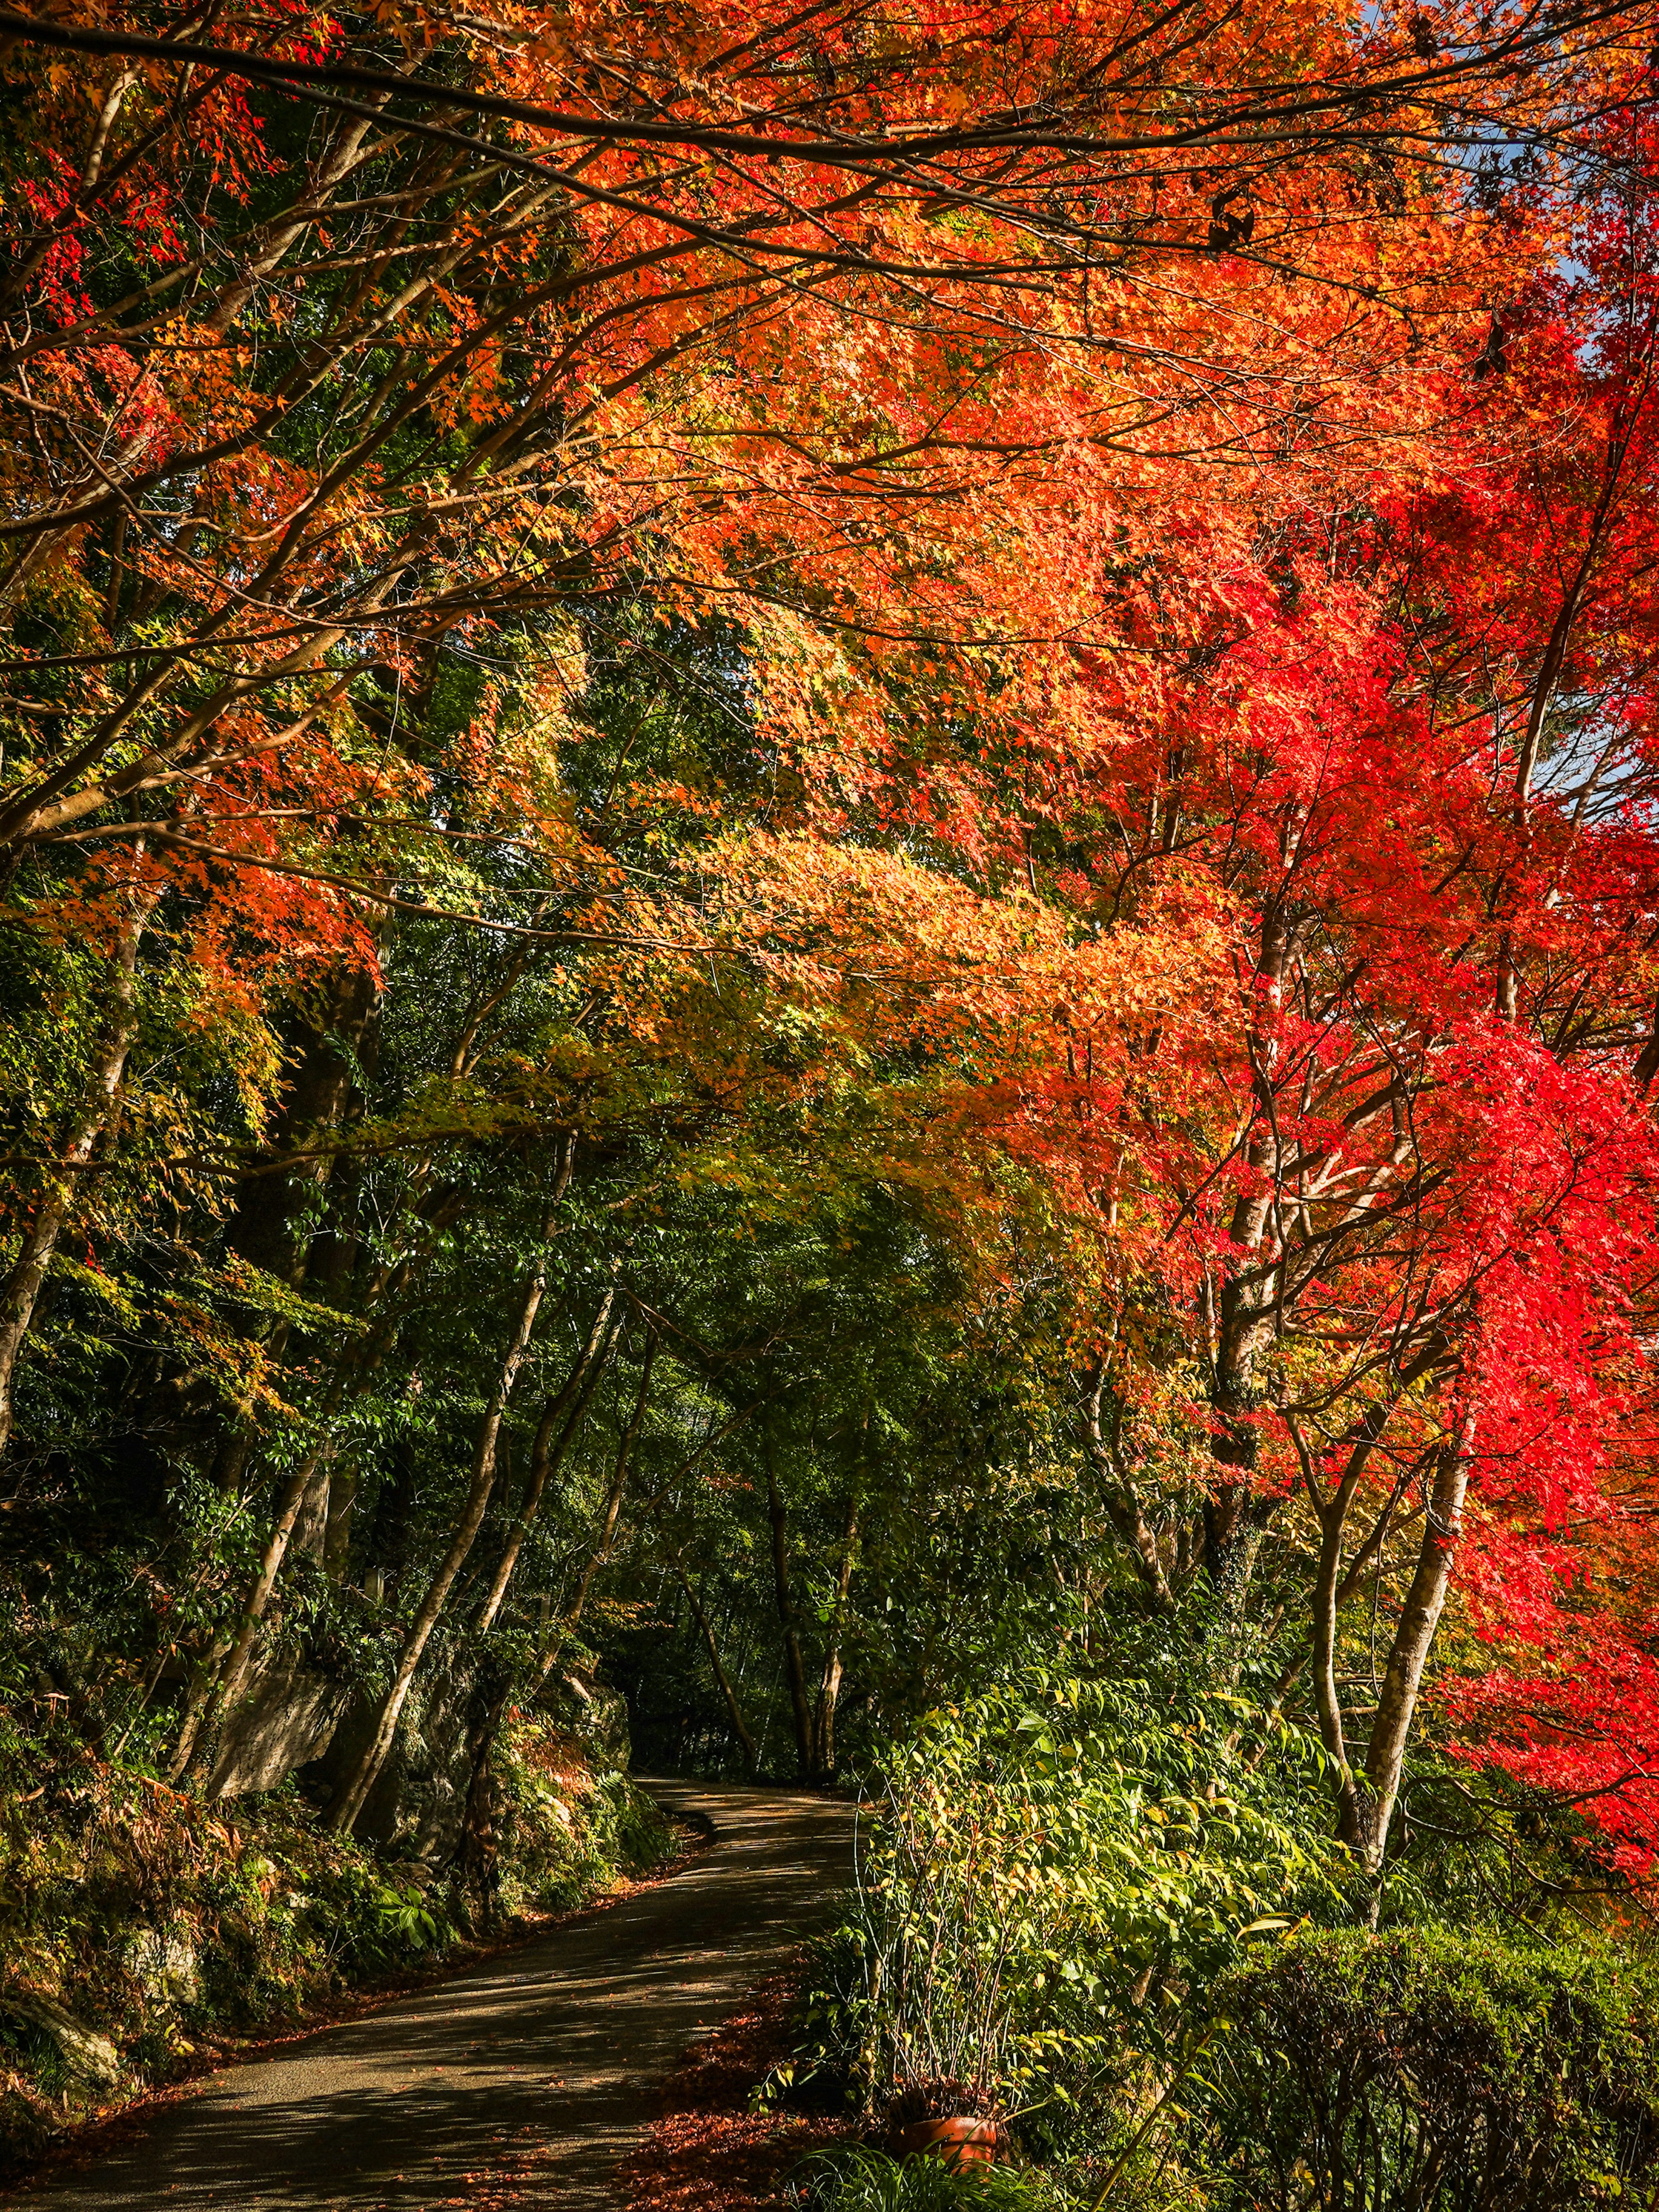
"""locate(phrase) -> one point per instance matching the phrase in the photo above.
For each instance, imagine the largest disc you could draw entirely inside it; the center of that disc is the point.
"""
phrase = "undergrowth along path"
(523, 2082)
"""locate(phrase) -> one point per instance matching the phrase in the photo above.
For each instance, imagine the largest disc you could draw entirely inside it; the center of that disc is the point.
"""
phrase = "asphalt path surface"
(522, 2082)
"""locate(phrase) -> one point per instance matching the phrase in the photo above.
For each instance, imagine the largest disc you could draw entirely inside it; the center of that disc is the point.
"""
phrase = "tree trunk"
(799, 1703)
(547, 1454)
(261, 1227)
(1358, 1806)
(613, 1503)
(1235, 1518)
(740, 1726)
(337, 1527)
(231, 1659)
(476, 1855)
(59, 1198)
(824, 1730)
(344, 1815)
(1121, 1498)
(1369, 1809)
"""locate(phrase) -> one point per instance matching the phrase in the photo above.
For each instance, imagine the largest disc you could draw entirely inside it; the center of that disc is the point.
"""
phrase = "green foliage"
(859, 2179)
(1441, 2072)
(1089, 1903)
(1050, 1870)
(123, 1902)
(567, 1832)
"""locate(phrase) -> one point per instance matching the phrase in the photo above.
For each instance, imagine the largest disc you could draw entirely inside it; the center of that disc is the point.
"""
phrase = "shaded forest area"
(831, 927)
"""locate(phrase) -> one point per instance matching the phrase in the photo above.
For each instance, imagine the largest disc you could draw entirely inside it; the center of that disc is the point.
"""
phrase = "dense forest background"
(832, 926)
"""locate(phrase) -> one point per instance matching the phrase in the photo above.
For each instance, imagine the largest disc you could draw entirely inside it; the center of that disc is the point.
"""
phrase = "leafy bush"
(1049, 1869)
(566, 1831)
(1433, 2071)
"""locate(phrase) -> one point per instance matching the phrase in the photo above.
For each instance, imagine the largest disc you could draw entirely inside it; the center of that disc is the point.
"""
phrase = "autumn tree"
(912, 635)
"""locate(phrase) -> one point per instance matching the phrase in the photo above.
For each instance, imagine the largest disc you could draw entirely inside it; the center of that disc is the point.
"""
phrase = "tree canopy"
(829, 849)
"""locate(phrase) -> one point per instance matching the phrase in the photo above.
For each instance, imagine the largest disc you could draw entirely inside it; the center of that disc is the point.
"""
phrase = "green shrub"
(567, 1832)
(1047, 1872)
(1428, 2071)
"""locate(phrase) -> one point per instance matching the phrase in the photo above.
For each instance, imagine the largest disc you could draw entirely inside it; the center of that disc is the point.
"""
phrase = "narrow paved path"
(521, 2082)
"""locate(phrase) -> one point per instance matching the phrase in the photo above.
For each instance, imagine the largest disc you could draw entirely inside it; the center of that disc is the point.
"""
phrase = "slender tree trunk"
(1333, 1587)
(231, 1659)
(62, 1191)
(800, 1704)
(824, 1731)
(553, 1641)
(476, 1851)
(343, 1814)
(1366, 1798)
(1327, 1697)
(316, 1509)
(1369, 1810)
(547, 1454)
(1235, 1518)
(740, 1726)
(222, 1677)
(261, 1230)
(336, 1528)
(613, 1504)
(1122, 1499)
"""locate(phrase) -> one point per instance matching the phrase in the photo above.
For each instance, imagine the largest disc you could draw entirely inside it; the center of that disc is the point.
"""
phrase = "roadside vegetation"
(1103, 1920)
(146, 1939)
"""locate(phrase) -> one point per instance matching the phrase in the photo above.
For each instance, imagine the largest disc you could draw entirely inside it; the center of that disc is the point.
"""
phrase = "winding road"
(523, 2082)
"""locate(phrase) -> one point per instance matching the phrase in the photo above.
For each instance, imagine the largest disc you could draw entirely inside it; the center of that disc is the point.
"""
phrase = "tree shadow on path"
(524, 2081)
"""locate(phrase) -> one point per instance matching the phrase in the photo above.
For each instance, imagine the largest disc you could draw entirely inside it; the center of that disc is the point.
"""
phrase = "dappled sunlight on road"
(523, 2082)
